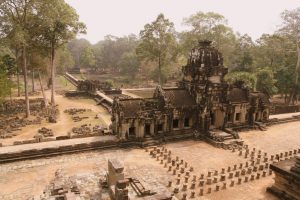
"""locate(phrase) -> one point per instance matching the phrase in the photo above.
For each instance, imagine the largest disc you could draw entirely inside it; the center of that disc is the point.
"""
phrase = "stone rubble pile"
(46, 132)
(74, 113)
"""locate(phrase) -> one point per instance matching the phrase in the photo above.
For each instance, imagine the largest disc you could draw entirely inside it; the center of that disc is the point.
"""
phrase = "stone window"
(237, 116)
(175, 123)
(186, 122)
(159, 127)
(147, 129)
(132, 131)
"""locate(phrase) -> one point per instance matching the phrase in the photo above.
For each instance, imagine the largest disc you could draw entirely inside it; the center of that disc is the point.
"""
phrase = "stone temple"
(202, 102)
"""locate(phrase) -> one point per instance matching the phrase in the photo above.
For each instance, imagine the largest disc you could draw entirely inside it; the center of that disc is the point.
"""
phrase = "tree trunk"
(159, 70)
(18, 73)
(42, 88)
(52, 75)
(294, 91)
(32, 80)
(25, 81)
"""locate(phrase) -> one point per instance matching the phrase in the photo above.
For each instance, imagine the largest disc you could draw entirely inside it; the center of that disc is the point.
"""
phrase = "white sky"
(122, 17)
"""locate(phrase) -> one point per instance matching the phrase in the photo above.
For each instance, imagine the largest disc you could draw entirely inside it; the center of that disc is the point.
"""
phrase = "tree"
(76, 47)
(7, 68)
(291, 29)
(208, 26)
(16, 20)
(87, 58)
(265, 81)
(249, 79)
(64, 60)
(158, 43)
(57, 24)
(129, 64)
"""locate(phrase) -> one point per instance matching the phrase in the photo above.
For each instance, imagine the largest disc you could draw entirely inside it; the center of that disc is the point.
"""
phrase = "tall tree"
(291, 28)
(158, 43)
(15, 19)
(57, 23)
(87, 58)
(208, 26)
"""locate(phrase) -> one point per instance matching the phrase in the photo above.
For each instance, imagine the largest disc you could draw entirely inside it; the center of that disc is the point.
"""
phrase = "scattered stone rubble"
(74, 113)
(78, 187)
(12, 117)
(86, 130)
(46, 132)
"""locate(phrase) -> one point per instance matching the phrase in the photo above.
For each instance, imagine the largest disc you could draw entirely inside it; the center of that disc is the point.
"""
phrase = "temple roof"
(179, 97)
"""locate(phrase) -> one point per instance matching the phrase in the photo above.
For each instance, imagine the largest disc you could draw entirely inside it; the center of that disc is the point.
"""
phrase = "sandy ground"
(26, 178)
(64, 121)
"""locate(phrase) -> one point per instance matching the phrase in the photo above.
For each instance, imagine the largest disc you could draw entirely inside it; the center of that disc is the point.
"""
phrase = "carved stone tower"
(204, 79)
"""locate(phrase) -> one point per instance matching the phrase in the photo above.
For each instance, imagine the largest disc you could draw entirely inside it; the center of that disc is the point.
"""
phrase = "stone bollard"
(295, 151)
(257, 175)
(169, 152)
(223, 177)
(215, 180)
(243, 172)
(182, 170)
(223, 171)
(232, 183)
(270, 172)
(166, 165)
(233, 150)
(157, 158)
(184, 187)
(246, 179)
(173, 163)
(202, 176)
(186, 179)
(201, 192)
(217, 187)
(170, 168)
(252, 177)
(286, 154)
(241, 166)
(230, 175)
(257, 161)
(209, 174)
(255, 168)
(281, 155)
(179, 175)
(246, 155)
(176, 190)
(266, 165)
(174, 171)
(194, 178)
(298, 150)
(258, 156)
(169, 159)
(177, 158)
(264, 174)
(290, 153)
(239, 181)
(161, 161)
(234, 167)
(252, 163)
(170, 184)
(247, 164)
(181, 161)
(266, 159)
(224, 186)
(178, 181)
(201, 183)
(185, 164)
(193, 185)
(237, 173)
(240, 153)
(192, 194)
(272, 157)
(177, 166)
(249, 170)
(216, 173)
(208, 181)
(229, 169)
(261, 167)
(146, 150)
(209, 190)
(184, 196)
(187, 173)
(191, 169)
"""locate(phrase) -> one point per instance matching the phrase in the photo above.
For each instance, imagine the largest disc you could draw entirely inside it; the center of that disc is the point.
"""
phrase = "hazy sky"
(122, 17)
